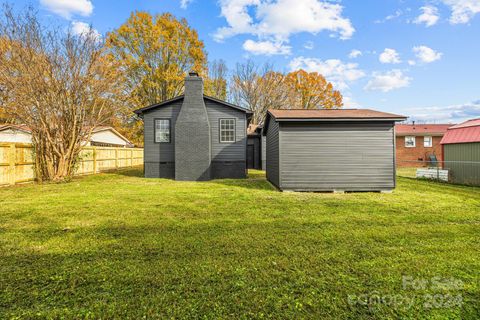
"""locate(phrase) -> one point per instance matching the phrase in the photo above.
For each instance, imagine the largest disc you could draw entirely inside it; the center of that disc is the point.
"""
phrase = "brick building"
(416, 143)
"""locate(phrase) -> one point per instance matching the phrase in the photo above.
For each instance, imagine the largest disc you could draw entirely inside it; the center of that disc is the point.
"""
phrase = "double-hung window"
(227, 130)
(427, 141)
(410, 142)
(162, 130)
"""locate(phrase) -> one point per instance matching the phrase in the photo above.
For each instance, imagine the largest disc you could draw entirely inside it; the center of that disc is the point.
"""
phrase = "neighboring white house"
(15, 133)
(101, 136)
(108, 137)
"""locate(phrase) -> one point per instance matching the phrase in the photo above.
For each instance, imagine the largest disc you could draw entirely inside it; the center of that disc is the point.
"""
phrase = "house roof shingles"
(466, 132)
(178, 98)
(337, 114)
(20, 127)
(421, 129)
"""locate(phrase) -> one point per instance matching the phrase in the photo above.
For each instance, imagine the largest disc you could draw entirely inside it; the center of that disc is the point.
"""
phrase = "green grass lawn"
(120, 246)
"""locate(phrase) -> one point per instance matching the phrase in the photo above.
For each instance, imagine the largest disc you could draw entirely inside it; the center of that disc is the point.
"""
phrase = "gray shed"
(331, 150)
(194, 136)
(254, 147)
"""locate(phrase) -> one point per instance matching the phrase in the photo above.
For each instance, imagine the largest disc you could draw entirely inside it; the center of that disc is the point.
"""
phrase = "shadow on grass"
(258, 184)
(255, 180)
(128, 172)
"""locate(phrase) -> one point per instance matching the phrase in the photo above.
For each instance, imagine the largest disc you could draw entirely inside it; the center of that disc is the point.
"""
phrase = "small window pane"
(162, 130)
(427, 142)
(410, 142)
(227, 130)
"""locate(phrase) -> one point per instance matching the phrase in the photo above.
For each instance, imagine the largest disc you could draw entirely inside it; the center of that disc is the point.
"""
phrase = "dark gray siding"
(336, 156)
(229, 160)
(273, 144)
(264, 152)
(159, 158)
(227, 151)
(465, 165)
(255, 142)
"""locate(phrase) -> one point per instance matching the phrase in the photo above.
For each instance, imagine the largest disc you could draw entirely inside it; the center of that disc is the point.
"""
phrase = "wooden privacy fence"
(16, 161)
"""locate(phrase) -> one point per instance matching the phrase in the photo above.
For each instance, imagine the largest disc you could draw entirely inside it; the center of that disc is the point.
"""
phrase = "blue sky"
(417, 58)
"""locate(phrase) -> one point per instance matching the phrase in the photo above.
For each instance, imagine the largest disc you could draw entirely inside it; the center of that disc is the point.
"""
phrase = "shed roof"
(337, 114)
(329, 115)
(421, 129)
(466, 132)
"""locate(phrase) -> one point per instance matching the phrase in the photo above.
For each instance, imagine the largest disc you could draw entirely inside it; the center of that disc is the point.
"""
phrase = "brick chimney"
(192, 134)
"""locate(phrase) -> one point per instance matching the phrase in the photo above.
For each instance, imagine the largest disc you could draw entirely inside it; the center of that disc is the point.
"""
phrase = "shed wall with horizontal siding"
(463, 162)
(272, 147)
(329, 156)
(264, 152)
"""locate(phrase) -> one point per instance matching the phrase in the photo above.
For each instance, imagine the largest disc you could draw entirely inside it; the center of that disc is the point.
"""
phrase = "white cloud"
(309, 45)
(387, 81)
(267, 48)
(462, 10)
(184, 3)
(412, 62)
(453, 113)
(389, 56)
(335, 71)
(278, 20)
(429, 16)
(396, 15)
(426, 54)
(84, 29)
(355, 54)
(68, 8)
(350, 102)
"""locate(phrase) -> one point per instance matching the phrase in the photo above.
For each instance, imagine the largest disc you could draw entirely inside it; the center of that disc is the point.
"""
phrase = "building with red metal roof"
(461, 149)
(466, 132)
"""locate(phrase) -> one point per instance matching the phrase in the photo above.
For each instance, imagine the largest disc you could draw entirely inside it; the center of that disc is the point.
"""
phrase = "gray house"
(331, 150)
(194, 137)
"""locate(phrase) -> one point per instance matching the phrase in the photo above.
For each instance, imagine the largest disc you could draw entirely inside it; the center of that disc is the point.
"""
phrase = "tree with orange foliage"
(155, 53)
(312, 91)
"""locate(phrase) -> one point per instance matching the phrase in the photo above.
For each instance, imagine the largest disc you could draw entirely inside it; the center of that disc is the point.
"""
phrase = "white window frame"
(407, 138)
(157, 138)
(227, 125)
(430, 141)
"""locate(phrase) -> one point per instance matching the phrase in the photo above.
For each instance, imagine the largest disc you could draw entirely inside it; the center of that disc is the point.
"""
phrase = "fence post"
(116, 158)
(94, 160)
(11, 161)
(131, 157)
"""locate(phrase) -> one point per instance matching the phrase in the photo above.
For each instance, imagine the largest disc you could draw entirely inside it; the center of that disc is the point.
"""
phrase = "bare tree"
(216, 80)
(59, 84)
(258, 89)
(261, 88)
